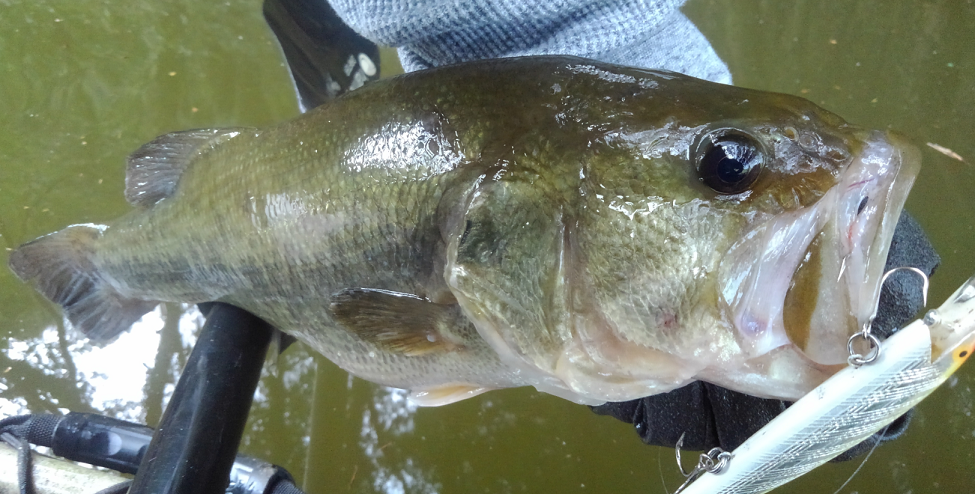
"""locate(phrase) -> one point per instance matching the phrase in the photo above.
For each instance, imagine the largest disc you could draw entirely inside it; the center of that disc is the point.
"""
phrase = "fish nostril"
(863, 205)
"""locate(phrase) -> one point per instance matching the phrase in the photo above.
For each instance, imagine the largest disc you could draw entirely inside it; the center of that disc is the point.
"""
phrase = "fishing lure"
(850, 406)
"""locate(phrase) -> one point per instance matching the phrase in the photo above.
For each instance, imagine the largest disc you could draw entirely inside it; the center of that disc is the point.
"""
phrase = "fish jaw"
(819, 275)
(884, 173)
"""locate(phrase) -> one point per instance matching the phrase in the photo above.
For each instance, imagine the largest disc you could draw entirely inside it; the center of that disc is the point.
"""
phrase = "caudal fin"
(60, 266)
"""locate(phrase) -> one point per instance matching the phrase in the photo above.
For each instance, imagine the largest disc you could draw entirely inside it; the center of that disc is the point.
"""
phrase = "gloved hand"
(639, 33)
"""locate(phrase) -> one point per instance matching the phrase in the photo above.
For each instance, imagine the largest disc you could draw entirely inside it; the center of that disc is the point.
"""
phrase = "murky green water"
(82, 83)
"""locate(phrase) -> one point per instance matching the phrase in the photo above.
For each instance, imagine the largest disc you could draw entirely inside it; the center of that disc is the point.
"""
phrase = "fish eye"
(730, 161)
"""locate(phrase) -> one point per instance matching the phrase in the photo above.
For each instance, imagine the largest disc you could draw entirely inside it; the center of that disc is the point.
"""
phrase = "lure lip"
(952, 329)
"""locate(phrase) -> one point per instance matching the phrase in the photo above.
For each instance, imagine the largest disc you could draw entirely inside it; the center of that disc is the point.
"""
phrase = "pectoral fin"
(401, 322)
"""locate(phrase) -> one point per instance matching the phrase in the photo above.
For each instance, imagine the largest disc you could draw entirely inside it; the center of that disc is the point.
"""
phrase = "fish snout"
(837, 295)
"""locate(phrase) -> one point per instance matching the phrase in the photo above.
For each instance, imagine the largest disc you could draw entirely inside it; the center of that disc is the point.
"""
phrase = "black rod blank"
(194, 446)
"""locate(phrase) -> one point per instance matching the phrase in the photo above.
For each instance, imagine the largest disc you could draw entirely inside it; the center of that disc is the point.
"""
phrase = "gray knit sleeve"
(644, 33)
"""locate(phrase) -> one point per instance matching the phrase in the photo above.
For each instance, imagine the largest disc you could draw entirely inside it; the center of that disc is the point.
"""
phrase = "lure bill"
(853, 404)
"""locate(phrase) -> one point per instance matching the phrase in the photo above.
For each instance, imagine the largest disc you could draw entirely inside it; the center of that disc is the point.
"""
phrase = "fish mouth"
(819, 272)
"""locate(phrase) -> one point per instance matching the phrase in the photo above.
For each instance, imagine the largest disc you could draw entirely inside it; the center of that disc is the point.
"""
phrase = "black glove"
(710, 416)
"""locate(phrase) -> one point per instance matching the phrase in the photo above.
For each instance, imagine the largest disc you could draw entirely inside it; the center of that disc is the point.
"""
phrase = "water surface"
(83, 83)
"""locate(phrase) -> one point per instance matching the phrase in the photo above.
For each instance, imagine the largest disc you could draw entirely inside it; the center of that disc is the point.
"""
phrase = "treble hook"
(924, 279)
(713, 461)
(680, 442)
(856, 359)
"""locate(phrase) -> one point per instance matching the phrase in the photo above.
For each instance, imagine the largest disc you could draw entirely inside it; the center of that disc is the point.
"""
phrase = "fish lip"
(870, 232)
(883, 173)
(754, 293)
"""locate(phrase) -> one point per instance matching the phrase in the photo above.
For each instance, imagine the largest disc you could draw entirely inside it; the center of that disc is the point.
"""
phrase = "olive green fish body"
(328, 202)
(599, 232)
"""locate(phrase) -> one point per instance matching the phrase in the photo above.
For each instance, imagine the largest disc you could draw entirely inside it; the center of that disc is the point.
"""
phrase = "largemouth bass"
(602, 233)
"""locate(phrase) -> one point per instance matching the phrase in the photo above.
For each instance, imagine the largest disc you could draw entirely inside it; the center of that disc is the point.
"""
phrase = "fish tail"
(61, 267)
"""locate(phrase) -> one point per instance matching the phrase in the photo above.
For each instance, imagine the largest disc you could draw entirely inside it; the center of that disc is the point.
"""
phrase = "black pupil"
(733, 160)
(731, 164)
(730, 170)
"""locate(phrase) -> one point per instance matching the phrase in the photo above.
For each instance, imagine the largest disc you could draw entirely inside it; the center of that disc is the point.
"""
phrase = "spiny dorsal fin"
(153, 170)
(400, 322)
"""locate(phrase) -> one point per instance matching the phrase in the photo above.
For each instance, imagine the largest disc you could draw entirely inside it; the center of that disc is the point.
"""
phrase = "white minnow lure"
(853, 404)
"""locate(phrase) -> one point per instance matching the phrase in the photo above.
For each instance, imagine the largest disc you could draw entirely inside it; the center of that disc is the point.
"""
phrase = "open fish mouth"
(817, 279)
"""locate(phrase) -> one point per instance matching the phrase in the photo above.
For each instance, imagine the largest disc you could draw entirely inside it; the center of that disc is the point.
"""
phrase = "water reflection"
(392, 413)
(116, 373)
(133, 378)
(130, 379)
(44, 360)
(304, 417)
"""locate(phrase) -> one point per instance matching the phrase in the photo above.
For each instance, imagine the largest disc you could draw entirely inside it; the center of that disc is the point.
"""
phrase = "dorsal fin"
(154, 169)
